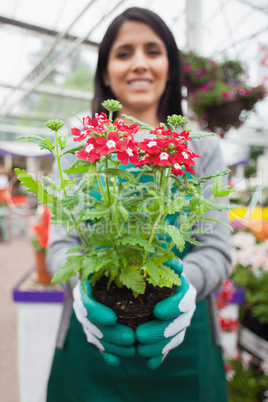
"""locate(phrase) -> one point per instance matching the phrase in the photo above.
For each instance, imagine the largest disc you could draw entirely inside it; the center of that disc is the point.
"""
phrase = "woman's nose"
(140, 62)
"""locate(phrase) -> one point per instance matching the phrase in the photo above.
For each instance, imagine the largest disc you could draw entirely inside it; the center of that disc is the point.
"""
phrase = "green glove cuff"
(169, 307)
(96, 312)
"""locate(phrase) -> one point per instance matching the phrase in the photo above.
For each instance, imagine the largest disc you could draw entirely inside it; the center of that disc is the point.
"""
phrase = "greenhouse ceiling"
(49, 49)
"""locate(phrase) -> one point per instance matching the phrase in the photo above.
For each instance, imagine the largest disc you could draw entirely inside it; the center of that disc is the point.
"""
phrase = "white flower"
(243, 240)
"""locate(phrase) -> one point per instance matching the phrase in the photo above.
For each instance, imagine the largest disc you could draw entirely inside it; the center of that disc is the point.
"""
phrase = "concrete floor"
(16, 258)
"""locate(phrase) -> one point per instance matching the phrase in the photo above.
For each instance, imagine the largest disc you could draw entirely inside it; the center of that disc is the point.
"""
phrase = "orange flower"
(42, 228)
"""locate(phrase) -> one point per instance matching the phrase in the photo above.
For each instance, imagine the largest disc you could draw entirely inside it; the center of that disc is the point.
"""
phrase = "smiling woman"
(137, 70)
(139, 54)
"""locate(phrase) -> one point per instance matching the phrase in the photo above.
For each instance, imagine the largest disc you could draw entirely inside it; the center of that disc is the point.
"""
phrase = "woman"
(139, 65)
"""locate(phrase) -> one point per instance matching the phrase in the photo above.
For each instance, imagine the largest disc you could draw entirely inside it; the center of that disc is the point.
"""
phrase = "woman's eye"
(154, 52)
(123, 54)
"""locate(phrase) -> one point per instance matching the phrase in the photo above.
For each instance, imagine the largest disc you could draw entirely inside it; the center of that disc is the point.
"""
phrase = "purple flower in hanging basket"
(198, 73)
(204, 87)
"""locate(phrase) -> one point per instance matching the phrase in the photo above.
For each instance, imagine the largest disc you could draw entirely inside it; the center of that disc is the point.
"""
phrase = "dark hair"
(170, 102)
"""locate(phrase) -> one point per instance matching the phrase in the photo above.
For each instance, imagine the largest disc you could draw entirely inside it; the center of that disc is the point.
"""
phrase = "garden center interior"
(49, 54)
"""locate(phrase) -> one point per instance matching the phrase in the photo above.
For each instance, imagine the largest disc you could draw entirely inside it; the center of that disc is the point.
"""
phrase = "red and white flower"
(89, 151)
(130, 154)
(111, 144)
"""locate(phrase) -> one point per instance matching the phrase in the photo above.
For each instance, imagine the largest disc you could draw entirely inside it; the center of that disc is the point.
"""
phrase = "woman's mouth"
(139, 84)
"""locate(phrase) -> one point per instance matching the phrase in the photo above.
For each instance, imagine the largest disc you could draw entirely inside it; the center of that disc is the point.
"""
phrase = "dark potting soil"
(130, 310)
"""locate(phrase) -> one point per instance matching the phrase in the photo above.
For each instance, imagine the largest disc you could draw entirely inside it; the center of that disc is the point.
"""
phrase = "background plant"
(250, 259)
(212, 84)
(41, 230)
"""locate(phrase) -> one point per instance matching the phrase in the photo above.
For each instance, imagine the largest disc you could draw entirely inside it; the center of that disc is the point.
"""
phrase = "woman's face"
(138, 68)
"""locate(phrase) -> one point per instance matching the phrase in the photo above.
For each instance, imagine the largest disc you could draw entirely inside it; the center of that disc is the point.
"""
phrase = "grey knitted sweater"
(206, 267)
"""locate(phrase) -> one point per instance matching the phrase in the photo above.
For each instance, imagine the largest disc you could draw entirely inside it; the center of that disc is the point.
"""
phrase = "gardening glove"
(100, 327)
(173, 315)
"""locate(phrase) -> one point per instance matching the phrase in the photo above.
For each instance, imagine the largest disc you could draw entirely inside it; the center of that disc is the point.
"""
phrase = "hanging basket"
(43, 275)
(225, 115)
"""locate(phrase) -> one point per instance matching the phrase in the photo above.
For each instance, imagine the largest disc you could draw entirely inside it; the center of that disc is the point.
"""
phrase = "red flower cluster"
(166, 148)
(229, 324)
(42, 228)
(225, 295)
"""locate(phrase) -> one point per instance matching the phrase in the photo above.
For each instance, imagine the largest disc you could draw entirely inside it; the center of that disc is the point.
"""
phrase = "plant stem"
(58, 158)
(107, 182)
(152, 235)
(101, 187)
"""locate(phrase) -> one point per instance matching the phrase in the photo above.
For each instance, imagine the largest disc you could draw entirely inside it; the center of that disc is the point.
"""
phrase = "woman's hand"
(173, 315)
(100, 326)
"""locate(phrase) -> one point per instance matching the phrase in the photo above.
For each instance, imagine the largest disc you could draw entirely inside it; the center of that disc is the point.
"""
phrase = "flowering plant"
(247, 380)
(223, 298)
(250, 260)
(213, 85)
(130, 202)
(41, 230)
(199, 70)
(219, 93)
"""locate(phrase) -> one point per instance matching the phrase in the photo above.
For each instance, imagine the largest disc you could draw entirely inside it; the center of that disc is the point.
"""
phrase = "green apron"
(192, 372)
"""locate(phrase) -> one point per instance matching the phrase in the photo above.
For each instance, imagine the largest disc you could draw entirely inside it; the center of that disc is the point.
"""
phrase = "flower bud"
(55, 125)
(176, 121)
(112, 105)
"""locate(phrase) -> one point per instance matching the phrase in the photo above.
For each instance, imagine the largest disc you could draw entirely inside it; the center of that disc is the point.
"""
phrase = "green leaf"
(35, 186)
(188, 238)
(123, 174)
(123, 212)
(217, 188)
(215, 220)
(153, 272)
(77, 169)
(91, 266)
(201, 134)
(96, 213)
(50, 182)
(176, 205)
(62, 141)
(175, 234)
(43, 144)
(77, 249)
(142, 125)
(132, 278)
(71, 267)
(133, 241)
(77, 198)
(146, 172)
(73, 150)
(206, 178)
(91, 174)
(168, 277)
